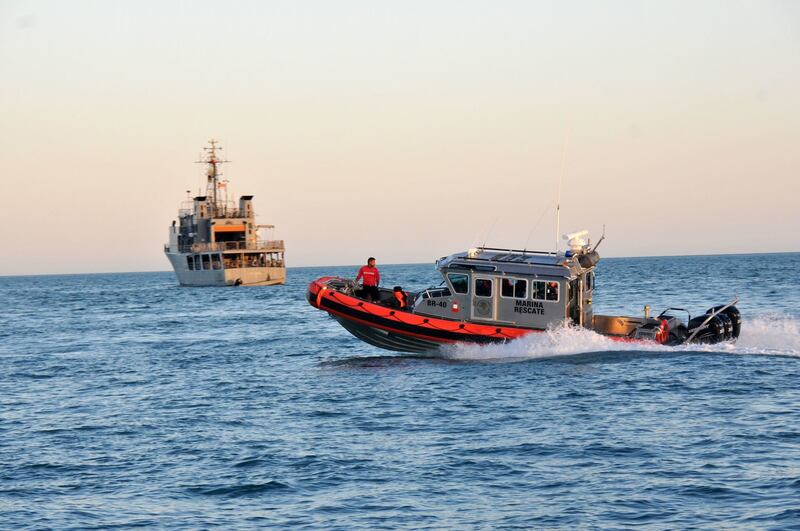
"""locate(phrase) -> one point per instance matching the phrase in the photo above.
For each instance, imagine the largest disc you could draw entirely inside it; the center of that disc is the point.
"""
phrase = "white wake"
(775, 334)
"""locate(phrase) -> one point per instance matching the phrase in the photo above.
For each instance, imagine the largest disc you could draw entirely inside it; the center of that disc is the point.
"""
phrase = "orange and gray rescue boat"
(495, 295)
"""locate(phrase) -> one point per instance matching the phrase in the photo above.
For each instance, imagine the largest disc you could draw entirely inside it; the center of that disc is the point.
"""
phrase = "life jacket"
(402, 298)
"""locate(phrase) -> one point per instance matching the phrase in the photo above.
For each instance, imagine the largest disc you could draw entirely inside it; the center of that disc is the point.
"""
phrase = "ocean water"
(126, 400)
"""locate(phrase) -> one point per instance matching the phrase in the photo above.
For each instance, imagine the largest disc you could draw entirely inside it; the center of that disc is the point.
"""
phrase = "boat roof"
(519, 261)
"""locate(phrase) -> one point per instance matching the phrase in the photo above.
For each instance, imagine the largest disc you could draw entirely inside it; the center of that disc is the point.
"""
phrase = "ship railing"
(256, 262)
(229, 213)
(219, 212)
(260, 245)
(272, 244)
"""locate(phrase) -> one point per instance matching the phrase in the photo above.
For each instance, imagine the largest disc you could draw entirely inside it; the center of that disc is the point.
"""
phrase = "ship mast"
(214, 173)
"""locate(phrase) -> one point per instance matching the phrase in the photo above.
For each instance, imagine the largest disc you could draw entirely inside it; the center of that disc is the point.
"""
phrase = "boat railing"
(520, 251)
(259, 245)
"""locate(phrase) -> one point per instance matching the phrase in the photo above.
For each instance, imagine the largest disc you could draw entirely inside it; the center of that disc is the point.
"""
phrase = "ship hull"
(399, 330)
(243, 276)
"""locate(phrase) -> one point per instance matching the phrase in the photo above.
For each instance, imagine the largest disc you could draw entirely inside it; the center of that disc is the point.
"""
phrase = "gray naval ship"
(216, 242)
(495, 295)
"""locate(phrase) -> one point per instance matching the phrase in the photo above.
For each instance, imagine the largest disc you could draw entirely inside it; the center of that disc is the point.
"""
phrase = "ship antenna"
(603, 237)
(533, 228)
(214, 173)
(489, 234)
(558, 196)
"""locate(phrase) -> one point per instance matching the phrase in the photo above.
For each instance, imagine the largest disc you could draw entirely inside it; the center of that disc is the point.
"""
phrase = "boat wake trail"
(769, 334)
(776, 335)
(555, 342)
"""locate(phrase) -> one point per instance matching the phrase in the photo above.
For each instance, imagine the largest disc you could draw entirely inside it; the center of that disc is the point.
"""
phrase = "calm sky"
(404, 130)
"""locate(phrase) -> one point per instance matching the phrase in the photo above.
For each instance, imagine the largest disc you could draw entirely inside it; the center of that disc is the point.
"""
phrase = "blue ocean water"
(126, 400)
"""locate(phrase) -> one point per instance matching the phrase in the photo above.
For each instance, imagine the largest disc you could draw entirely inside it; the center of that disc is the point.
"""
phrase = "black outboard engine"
(726, 322)
(732, 313)
(711, 332)
(724, 326)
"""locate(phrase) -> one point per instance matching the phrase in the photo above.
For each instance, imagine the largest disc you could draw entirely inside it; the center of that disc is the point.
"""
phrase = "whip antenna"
(489, 234)
(558, 196)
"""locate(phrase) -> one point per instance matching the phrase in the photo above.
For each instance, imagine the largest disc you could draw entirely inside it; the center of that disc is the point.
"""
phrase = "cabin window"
(537, 290)
(190, 262)
(483, 287)
(197, 265)
(206, 261)
(460, 282)
(514, 288)
(590, 280)
(435, 293)
(544, 290)
(216, 261)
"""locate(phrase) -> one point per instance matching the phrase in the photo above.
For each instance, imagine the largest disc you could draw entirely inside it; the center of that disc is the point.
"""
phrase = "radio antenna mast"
(213, 161)
(558, 197)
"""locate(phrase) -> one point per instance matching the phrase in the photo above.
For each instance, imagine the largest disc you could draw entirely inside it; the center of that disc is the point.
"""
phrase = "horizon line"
(387, 264)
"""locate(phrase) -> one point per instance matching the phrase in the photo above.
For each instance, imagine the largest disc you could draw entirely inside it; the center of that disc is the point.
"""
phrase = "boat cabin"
(512, 288)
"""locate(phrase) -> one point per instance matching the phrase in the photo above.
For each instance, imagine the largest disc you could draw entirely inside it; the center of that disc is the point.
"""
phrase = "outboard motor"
(712, 332)
(735, 317)
(727, 324)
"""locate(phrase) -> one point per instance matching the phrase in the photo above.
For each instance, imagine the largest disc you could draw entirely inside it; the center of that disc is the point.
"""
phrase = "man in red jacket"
(372, 279)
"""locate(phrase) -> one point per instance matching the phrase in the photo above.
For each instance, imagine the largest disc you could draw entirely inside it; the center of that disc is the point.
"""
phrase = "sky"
(403, 130)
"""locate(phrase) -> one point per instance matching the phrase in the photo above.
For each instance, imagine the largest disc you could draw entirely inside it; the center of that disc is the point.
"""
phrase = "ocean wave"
(234, 491)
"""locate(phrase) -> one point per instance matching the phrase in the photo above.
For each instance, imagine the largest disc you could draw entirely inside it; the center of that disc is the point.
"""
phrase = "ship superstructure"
(217, 242)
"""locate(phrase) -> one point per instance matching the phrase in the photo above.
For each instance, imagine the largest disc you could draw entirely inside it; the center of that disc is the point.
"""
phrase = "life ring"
(662, 335)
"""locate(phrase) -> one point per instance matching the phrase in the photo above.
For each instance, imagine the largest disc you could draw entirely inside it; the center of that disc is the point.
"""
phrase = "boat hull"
(399, 330)
(244, 276)
(387, 340)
